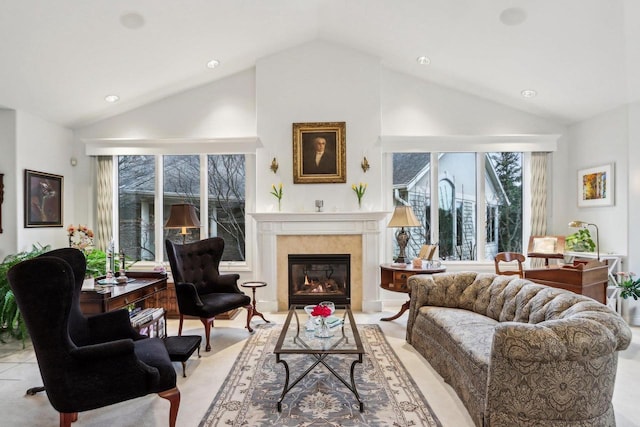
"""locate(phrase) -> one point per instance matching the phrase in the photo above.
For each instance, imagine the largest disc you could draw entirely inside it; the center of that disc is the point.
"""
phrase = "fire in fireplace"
(314, 278)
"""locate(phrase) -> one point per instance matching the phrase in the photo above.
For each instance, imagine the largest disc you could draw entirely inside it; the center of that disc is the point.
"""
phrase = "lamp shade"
(183, 216)
(403, 216)
(578, 224)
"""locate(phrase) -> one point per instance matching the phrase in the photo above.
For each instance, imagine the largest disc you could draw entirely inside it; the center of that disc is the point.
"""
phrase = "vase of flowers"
(277, 193)
(359, 189)
(322, 328)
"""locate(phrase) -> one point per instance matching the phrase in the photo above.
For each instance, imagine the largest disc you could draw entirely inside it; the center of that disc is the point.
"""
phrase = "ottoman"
(180, 348)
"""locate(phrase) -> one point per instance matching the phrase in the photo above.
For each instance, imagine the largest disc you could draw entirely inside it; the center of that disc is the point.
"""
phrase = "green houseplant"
(580, 241)
(11, 322)
(629, 287)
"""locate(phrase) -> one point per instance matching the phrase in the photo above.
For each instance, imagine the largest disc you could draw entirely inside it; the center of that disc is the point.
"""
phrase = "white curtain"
(538, 199)
(105, 201)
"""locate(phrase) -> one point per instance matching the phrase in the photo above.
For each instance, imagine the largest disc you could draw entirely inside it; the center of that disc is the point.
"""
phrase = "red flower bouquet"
(321, 310)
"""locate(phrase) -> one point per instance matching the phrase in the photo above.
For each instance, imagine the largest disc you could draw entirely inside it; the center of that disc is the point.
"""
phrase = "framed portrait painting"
(319, 153)
(596, 186)
(42, 199)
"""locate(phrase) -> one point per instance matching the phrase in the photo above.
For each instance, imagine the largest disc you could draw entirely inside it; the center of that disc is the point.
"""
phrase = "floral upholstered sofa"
(518, 353)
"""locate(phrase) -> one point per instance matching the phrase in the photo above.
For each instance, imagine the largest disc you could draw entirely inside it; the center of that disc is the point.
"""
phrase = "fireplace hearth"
(314, 278)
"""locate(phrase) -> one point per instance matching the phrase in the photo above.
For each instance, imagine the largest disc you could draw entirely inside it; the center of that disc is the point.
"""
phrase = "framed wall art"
(596, 186)
(319, 153)
(42, 199)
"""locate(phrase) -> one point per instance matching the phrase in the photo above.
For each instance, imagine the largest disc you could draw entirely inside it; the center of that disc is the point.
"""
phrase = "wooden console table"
(147, 290)
(393, 277)
(589, 279)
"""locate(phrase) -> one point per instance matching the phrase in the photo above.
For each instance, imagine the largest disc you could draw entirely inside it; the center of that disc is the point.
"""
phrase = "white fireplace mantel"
(368, 224)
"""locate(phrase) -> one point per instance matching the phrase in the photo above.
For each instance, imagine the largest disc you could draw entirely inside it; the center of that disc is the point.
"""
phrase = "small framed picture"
(319, 153)
(42, 199)
(596, 186)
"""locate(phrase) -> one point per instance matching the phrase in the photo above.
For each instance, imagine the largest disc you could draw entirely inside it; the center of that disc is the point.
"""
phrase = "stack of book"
(145, 316)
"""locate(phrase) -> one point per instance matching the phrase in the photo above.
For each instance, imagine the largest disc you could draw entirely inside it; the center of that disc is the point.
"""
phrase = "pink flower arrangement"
(321, 310)
(80, 237)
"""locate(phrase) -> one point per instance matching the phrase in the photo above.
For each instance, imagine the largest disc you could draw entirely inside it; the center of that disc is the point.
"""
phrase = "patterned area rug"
(249, 394)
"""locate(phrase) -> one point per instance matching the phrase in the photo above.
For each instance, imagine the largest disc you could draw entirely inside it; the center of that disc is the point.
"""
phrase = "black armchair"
(200, 288)
(86, 363)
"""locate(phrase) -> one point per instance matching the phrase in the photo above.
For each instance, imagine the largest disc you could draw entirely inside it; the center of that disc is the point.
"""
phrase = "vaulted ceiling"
(60, 58)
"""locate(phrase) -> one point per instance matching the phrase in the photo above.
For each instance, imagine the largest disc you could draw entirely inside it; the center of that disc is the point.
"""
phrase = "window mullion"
(158, 209)
(481, 206)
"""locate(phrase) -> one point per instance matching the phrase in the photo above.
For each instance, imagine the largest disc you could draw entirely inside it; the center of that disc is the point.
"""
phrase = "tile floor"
(19, 371)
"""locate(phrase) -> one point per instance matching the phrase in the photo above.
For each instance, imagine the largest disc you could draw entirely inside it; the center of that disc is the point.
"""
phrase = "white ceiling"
(60, 58)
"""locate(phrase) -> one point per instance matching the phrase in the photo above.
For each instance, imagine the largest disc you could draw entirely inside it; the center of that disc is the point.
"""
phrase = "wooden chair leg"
(249, 316)
(207, 332)
(180, 325)
(66, 418)
(173, 396)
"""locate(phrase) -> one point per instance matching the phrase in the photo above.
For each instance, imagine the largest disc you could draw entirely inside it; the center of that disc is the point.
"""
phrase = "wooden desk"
(588, 279)
(393, 277)
(147, 290)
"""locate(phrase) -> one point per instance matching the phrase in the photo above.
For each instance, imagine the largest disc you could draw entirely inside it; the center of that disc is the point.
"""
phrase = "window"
(461, 202)
(136, 210)
(222, 214)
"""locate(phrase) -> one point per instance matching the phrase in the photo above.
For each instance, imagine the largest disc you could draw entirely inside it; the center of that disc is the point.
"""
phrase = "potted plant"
(580, 241)
(11, 322)
(629, 287)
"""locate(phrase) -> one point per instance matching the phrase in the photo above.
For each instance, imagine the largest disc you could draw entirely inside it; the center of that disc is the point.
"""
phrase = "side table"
(254, 311)
(394, 277)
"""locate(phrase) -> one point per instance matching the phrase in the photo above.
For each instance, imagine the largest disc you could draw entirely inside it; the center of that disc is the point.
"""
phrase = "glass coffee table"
(298, 338)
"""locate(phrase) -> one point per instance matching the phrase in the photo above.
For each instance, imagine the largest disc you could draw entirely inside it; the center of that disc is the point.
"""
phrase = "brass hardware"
(274, 165)
(364, 164)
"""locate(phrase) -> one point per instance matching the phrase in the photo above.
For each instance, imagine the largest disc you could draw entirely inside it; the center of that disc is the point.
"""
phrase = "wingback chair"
(86, 363)
(200, 288)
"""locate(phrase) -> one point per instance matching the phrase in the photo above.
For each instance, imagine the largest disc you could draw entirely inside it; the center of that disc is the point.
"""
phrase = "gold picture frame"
(319, 153)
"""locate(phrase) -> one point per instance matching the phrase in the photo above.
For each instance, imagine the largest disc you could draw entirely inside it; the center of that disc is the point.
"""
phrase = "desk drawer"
(400, 279)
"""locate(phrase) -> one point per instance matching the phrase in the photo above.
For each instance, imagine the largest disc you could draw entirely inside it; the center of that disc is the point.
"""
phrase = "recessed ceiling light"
(213, 63)
(423, 60)
(132, 20)
(529, 93)
(513, 16)
(112, 98)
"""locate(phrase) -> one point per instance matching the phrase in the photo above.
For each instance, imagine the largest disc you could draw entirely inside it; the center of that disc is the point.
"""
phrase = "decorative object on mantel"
(364, 164)
(319, 205)
(274, 165)
(277, 193)
(628, 286)
(596, 186)
(183, 216)
(359, 189)
(319, 153)
(403, 216)
(583, 236)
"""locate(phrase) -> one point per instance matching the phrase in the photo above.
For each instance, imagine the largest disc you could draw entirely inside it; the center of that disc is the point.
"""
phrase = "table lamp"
(582, 224)
(183, 216)
(403, 216)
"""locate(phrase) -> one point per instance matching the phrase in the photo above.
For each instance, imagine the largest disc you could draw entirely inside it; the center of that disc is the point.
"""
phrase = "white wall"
(45, 147)
(9, 236)
(411, 106)
(597, 141)
(318, 82)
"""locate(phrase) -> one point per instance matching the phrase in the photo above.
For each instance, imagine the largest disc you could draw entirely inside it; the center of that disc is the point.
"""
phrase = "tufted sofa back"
(511, 299)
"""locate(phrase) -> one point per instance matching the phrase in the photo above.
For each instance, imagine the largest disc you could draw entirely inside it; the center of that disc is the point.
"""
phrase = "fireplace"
(319, 277)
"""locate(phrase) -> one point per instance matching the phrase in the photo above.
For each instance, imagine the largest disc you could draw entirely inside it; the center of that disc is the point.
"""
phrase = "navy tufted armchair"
(200, 288)
(86, 362)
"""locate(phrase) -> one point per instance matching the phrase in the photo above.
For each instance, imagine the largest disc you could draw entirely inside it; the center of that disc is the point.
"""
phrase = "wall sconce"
(274, 165)
(364, 164)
